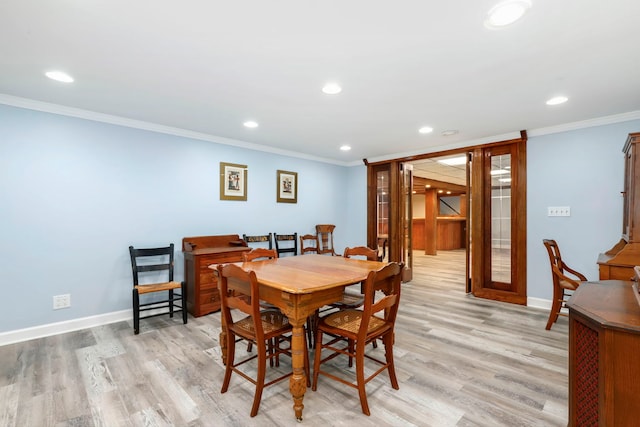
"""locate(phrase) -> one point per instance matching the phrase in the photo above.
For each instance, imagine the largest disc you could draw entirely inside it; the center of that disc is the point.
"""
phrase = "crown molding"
(62, 110)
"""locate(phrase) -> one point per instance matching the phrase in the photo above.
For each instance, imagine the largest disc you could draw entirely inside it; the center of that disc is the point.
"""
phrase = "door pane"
(382, 212)
(501, 218)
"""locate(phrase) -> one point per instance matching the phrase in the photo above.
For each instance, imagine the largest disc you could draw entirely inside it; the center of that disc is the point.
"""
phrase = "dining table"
(298, 286)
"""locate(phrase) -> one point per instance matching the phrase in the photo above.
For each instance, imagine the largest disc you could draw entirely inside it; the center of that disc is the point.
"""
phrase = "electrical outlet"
(61, 301)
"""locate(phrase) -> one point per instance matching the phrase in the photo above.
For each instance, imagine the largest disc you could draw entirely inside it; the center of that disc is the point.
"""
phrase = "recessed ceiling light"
(250, 124)
(345, 148)
(556, 100)
(425, 129)
(59, 76)
(454, 161)
(332, 88)
(449, 132)
(506, 13)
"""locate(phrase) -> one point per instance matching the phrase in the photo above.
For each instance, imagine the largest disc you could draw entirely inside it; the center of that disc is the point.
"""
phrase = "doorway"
(491, 215)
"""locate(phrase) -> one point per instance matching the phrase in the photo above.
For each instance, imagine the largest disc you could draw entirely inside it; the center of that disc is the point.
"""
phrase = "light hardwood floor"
(460, 361)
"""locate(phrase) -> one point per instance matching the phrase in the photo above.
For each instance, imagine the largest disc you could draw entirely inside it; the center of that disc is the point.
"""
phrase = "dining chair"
(308, 244)
(350, 330)
(563, 285)
(152, 274)
(260, 239)
(286, 243)
(266, 329)
(324, 237)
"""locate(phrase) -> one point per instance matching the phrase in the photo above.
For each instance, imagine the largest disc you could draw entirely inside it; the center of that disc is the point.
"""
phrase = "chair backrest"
(324, 237)
(308, 244)
(361, 251)
(286, 243)
(150, 260)
(244, 296)
(259, 253)
(559, 268)
(259, 239)
(387, 280)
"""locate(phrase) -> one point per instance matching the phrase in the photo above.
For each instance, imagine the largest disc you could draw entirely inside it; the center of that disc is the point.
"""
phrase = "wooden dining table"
(298, 285)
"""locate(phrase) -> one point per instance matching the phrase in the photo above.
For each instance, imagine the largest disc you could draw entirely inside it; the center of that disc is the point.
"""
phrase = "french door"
(496, 197)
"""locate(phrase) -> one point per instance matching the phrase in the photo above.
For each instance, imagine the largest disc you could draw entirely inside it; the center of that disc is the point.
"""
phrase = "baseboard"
(41, 331)
(544, 304)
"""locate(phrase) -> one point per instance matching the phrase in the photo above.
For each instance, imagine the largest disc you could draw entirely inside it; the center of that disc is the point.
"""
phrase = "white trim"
(539, 303)
(599, 121)
(153, 127)
(41, 331)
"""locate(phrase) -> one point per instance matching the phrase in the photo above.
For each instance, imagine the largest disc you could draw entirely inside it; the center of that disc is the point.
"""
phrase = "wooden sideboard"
(604, 347)
(618, 262)
(202, 285)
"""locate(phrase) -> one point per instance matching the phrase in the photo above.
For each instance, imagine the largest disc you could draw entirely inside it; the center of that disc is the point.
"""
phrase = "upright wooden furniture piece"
(563, 284)
(604, 346)
(201, 283)
(155, 260)
(324, 234)
(618, 262)
(351, 330)
(264, 328)
(298, 285)
(286, 243)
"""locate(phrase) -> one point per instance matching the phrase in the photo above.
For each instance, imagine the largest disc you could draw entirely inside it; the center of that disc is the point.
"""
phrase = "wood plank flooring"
(460, 361)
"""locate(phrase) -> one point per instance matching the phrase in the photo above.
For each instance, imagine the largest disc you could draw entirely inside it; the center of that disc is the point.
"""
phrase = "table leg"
(298, 381)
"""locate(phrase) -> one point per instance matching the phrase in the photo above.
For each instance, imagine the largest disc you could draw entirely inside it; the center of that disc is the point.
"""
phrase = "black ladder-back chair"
(290, 242)
(262, 238)
(155, 261)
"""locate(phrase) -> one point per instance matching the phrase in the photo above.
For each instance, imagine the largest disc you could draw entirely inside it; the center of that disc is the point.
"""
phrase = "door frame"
(477, 214)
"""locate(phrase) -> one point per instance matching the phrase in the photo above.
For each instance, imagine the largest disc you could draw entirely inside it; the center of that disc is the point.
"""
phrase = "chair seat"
(349, 300)
(273, 322)
(349, 321)
(155, 287)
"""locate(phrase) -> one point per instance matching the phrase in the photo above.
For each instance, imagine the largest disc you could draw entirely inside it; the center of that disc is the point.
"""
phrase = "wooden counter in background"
(450, 233)
(202, 285)
(604, 347)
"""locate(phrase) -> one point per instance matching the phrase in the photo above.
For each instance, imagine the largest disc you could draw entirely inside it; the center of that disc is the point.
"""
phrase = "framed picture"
(287, 187)
(233, 181)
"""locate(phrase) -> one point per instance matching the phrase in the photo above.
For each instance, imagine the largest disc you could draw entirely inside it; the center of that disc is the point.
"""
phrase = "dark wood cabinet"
(200, 252)
(604, 347)
(618, 262)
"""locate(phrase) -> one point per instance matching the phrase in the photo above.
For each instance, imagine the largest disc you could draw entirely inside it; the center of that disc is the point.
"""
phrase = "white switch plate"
(558, 211)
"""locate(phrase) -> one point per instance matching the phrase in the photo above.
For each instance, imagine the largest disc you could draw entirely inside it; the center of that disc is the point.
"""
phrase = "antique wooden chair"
(286, 243)
(308, 244)
(352, 329)
(266, 329)
(324, 236)
(563, 285)
(155, 265)
(258, 254)
(262, 239)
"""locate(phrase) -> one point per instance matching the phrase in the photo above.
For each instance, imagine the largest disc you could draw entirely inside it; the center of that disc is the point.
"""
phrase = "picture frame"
(233, 181)
(287, 187)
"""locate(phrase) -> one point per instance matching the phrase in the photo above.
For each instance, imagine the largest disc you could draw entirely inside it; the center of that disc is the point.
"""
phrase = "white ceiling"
(207, 66)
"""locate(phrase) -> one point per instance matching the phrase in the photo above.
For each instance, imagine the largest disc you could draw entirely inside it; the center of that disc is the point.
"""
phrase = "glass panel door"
(500, 171)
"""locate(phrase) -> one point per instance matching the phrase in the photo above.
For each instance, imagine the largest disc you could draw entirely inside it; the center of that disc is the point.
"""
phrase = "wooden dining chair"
(266, 329)
(286, 243)
(352, 329)
(153, 274)
(308, 244)
(563, 285)
(324, 237)
(261, 239)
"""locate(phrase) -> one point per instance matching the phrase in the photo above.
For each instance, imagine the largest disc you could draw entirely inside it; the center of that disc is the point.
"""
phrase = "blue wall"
(76, 193)
(582, 169)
